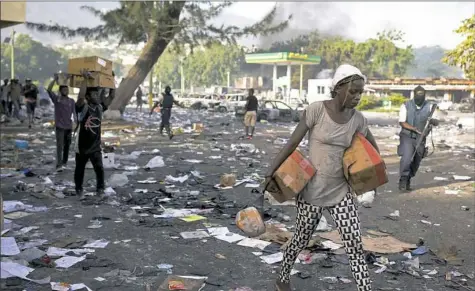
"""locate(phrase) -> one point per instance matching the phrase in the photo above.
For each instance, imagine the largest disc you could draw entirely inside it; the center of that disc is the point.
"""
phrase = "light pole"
(13, 55)
(150, 88)
(182, 78)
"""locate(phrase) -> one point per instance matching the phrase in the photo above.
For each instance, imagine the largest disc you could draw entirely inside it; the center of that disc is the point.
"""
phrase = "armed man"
(416, 120)
(166, 102)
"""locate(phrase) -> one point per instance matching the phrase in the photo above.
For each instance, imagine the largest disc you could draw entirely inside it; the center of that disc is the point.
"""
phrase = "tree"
(211, 65)
(463, 55)
(167, 69)
(158, 24)
(32, 60)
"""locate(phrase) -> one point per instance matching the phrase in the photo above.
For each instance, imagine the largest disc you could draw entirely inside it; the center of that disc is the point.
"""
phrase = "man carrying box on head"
(64, 107)
(90, 109)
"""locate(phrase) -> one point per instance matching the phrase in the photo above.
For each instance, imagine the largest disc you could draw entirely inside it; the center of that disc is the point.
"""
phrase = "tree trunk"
(149, 56)
(137, 74)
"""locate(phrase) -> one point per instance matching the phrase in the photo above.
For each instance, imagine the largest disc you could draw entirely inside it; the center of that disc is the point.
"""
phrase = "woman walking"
(331, 125)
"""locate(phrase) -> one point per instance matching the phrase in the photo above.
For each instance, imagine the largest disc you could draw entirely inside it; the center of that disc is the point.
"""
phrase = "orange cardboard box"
(364, 168)
(100, 80)
(91, 64)
(292, 176)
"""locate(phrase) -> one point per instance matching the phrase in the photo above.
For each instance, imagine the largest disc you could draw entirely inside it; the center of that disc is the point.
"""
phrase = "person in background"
(139, 95)
(331, 125)
(413, 117)
(64, 108)
(15, 96)
(251, 113)
(30, 92)
(90, 109)
(4, 96)
(166, 101)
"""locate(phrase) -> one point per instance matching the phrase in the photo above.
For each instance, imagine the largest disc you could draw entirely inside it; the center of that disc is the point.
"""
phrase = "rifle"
(426, 131)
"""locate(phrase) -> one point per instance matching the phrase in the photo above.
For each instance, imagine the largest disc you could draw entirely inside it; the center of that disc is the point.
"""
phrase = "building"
(454, 90)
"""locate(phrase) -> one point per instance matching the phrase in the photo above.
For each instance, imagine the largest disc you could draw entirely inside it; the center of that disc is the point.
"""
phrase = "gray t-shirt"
(328, 141)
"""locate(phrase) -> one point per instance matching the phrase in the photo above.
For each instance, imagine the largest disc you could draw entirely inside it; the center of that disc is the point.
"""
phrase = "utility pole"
(182, 78)
(301, 81)
(229, 79)
(150, 89)
(13, 55)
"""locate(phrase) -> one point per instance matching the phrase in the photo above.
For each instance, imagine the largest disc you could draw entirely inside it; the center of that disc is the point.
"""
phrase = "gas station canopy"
(12, 13)
(283, 59)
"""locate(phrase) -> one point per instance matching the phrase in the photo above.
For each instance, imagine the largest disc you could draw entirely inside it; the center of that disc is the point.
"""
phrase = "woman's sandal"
(280, 286)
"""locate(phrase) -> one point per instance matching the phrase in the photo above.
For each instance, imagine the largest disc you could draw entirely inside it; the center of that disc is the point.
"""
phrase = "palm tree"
(158, 24)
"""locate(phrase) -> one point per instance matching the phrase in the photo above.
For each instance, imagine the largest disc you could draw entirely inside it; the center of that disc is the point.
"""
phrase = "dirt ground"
(439, 212)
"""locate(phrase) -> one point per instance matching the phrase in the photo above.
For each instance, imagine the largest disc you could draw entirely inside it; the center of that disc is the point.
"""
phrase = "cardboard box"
(92, 64)
(292, 176)
(198, 127)
(100, 80)
(364, 168)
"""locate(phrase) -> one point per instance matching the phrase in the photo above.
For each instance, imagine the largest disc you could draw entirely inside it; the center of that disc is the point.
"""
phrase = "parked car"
(273, 110)
(229, 102)
(467, 105)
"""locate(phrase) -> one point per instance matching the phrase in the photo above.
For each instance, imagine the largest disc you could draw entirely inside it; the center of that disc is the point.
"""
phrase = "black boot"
(408, 184)
(403, 184)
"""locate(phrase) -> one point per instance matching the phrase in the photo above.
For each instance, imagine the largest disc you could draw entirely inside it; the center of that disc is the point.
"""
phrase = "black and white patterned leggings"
(347, 221)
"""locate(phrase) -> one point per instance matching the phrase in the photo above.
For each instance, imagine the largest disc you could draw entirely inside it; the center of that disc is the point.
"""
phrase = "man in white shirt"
(413, 117)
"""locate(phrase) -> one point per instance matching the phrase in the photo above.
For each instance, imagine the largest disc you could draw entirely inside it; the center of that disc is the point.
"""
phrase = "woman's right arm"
(295, 139)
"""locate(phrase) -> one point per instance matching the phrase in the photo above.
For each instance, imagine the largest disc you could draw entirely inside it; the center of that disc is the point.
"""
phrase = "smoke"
(325, 74)
(325, 17)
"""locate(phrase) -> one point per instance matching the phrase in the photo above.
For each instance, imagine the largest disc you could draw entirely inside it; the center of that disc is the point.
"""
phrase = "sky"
(424, 23)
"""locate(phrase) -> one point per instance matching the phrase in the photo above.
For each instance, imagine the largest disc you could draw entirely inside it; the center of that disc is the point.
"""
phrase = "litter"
(97, 244)
(462, 178)
(68, 261)
(194, 234)
(230, 237)
(118, 180)
(272, 259)
(11, 269)
(254, 243)
(59, 286)
(215, 231)
(9, 246)
(155, 162)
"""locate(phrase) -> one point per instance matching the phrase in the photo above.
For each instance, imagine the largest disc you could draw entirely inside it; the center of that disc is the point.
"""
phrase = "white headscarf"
(344, 71)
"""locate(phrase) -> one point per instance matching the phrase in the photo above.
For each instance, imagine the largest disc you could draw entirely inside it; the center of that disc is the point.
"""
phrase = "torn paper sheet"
(214, 231)
(230, 237)
(254, 243)
(97, 244)
(194, 234)
(9, 246)
(10, 269)
(60, 252)
(272, 259)
(60, 286)
(68, 261)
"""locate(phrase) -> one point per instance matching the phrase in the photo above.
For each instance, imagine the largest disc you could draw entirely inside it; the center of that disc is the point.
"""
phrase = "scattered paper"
(194, 234)
(230, 237)
(68, 261)
(254, 243)
(60, 286)
(441, 179)
(60, 252)
(462, 178)
(97, 244)
(215, 231)
(272, 259)
(331, 245)
(9, 247)
(451, 192)
(10, 269)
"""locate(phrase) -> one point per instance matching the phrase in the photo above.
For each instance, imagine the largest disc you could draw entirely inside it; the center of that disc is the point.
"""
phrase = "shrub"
(368, 102)
(396, 100)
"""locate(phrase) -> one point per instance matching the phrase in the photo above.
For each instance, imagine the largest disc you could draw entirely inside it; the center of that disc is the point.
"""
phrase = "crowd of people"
(12, 92)
(330, 126)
